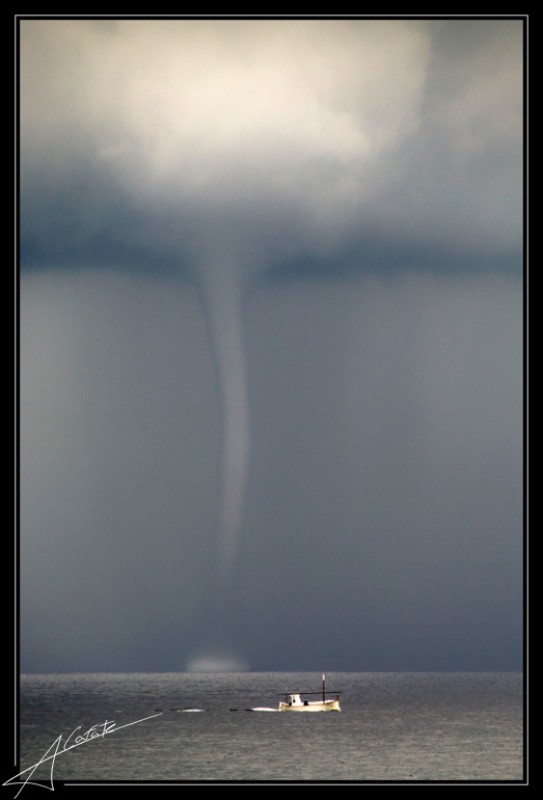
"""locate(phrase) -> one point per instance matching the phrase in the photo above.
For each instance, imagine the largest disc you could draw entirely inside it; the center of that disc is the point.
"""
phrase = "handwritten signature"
(58, 747)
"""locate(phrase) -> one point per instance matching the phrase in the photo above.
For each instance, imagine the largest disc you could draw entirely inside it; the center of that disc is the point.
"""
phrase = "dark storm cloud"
(382, 498)
(310, 134)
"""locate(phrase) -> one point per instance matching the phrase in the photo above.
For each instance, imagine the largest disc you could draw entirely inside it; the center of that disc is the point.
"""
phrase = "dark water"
(392, 727)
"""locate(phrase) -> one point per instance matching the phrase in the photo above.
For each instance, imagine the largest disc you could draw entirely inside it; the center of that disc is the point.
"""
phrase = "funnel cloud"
(222, 293)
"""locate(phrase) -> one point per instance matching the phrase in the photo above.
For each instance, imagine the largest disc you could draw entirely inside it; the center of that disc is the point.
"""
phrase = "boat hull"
(328, 705)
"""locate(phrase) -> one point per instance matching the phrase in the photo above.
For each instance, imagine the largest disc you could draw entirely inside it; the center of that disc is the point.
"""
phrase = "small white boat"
(294, 702)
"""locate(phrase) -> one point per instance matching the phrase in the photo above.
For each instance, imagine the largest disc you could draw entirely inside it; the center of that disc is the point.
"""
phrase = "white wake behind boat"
(295, 701)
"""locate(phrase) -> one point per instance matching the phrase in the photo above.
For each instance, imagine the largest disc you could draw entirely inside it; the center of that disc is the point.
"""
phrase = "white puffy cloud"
(225, 114)
(272, 138)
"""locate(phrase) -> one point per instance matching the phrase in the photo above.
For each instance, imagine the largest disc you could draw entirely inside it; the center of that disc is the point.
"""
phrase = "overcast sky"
(271, 344)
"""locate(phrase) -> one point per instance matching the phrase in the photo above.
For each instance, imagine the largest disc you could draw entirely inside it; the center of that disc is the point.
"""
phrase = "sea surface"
(198, 727)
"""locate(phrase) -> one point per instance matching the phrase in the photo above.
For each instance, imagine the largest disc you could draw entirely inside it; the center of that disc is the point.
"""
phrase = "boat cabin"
(296, 700)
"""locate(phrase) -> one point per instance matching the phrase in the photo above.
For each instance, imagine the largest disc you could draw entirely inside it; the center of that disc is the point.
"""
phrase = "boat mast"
(323, 688)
